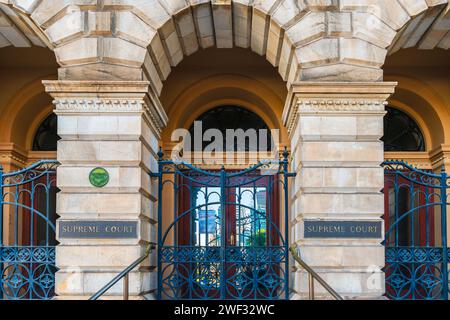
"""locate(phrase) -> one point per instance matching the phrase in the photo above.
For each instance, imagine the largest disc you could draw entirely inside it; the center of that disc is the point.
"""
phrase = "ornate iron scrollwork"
(27, 253)
(223, 240)
(416, 237)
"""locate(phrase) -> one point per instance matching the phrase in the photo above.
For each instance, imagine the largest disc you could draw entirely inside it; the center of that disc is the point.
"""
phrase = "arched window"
(234, 117)
(46, 136)
(401, 132)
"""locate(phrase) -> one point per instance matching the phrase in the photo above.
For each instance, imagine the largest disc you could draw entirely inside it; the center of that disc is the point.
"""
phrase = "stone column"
(335, 131)
(114, 126)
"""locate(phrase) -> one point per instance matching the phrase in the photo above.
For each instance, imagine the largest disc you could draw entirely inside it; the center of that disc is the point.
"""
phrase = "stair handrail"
(125, 275)
(312, 275)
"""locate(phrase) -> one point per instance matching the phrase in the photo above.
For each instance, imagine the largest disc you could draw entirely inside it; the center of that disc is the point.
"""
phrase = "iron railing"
(416, 248)
(220, 244)
(27, 250)
(313, 276)
(125, 275)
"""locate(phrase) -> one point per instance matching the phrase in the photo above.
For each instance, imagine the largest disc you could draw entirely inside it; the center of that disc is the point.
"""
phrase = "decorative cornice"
(97, 106)
(98, 88)
(9, 152)
(335, 98)
(13, 154)
(341, 105)
(72, 97)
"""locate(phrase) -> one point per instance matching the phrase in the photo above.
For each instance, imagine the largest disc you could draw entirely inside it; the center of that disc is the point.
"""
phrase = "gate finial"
(285, 153)
(160, 154)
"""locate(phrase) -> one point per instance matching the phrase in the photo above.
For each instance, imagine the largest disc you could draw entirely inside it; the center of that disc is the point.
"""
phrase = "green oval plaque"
(99, 177)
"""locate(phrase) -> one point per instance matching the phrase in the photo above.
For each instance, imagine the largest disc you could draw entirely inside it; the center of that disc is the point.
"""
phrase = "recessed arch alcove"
(422, 91)
(217, 77)
(24, 104)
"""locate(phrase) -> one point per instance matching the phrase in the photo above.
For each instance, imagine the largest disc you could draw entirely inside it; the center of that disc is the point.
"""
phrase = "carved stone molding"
(12, 154)
(80, 97)
(99, 105)
(335, 99)
(341, 105)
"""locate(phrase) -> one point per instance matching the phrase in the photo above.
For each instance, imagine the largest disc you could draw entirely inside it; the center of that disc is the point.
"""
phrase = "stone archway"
(112, 48)
(305, 40)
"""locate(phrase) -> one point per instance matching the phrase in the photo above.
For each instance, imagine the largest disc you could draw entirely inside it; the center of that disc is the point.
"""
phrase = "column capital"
(80, 97)
(335, 97)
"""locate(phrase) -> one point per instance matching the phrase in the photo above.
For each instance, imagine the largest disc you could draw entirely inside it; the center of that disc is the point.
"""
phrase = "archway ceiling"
(427, 29)
(18, 29)
(331, 40)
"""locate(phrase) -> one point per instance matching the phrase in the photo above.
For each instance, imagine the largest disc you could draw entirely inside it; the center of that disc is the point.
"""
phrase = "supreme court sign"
(97, 229)
(343, 229)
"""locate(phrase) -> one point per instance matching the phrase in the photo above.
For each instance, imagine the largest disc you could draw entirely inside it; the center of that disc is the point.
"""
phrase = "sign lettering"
(97, 229)
(343, 229)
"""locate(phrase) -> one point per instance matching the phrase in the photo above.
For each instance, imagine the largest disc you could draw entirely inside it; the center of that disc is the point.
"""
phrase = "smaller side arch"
(425, 105)
(24, 113)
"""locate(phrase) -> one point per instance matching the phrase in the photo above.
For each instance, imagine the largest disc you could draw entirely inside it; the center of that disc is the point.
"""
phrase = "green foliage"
(258, 239)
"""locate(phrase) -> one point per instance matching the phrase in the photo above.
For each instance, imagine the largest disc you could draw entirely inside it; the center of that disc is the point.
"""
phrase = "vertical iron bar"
(160, 184)
(16, 216)
(254, 216)
(224, 230)
(194, 238)
(206, 218)
(47, 206)
(410, 218)
(32, 208)
(411, 215)
(286, 220)
(269, 217)
(31, 232)
(239, 225)
(445, 284)
(396, 205)
(427, 218)
(176, 189)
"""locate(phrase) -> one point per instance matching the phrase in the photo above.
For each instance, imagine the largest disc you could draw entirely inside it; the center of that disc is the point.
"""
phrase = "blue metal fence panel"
(223, 240)
(415, 242)
(27, 248)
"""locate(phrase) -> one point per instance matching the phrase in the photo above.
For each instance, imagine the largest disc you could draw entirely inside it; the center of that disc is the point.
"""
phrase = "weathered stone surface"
(115, 126)
(337, 160)
(346, 40)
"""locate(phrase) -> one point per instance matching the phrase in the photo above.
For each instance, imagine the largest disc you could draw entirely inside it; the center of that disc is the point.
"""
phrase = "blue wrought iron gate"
(27, 232)
(223, 236)
(417, 254)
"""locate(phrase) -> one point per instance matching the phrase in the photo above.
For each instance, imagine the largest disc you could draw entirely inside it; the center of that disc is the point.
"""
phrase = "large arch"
(305, 40)
(308, 40)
